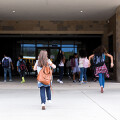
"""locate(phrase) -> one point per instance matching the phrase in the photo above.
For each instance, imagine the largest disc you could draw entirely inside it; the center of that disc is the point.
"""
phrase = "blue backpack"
(99, 60)
(5, 63)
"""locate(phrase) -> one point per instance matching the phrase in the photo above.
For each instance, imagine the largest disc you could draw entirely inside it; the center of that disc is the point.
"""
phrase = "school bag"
(5, 63)
(98, 60)
(22, 65)
(45, 75)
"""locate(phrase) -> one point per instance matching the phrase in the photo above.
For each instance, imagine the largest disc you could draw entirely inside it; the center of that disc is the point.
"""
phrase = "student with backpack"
(44, 77)
(98, 57)
(7, 64)
(21, 68)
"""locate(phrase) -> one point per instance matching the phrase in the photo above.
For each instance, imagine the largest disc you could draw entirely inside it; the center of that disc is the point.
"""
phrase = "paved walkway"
(70, 101)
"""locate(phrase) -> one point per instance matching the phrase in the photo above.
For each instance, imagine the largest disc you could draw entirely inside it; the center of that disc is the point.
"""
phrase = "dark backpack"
(5, 63)
(98, 60)
(22, 65)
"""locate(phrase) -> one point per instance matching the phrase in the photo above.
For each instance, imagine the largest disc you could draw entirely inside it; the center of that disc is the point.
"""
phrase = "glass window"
(68, 52)
(28, 50)
(54, 43)
(42, 43)
(68, 43)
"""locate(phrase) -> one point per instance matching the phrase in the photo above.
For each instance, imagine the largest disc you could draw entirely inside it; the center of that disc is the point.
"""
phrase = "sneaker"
(43, 106)
(10, 80)
(5, 81)
(58, 80)
(49, 101)
(74, 81)
(23, 81)
(61, 82)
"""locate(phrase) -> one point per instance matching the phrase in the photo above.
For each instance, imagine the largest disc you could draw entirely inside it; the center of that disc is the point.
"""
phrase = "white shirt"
(61, 63)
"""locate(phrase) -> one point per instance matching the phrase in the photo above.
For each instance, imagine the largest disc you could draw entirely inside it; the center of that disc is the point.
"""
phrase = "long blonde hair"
(43, 58)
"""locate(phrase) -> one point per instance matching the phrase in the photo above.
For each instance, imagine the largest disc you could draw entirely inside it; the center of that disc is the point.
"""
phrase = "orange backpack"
(45, 75)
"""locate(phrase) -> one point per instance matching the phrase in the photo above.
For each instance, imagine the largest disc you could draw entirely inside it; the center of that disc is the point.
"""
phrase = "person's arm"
(63, 59)
(18, 66)
(51, 64)
(111, 57)
(90, 57)
(12, 65)
(35, 66)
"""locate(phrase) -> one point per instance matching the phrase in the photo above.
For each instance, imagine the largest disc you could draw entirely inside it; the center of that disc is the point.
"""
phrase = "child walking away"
(83, 64)
(75, 68)
(44, 64)
(61, 60)
(98, 57)
(21, 68)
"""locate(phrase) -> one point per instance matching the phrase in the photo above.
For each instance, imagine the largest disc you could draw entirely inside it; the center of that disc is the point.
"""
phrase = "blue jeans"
(101, 79)
(83, 73)
(61, 72)
(42, 94)
(5, 73)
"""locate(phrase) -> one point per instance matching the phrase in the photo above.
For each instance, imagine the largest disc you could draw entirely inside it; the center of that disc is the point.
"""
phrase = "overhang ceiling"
(57, 9)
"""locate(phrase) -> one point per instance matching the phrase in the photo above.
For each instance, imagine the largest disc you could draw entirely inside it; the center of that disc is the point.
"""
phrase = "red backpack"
(22, 65)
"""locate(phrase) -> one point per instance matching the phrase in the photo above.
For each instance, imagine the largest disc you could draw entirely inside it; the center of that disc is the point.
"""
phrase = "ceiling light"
(81, 11)
(13, 11)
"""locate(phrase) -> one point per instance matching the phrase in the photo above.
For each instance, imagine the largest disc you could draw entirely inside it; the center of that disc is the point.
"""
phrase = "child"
(74, 65)
(43, 61)
(83, 64)
(99, 61)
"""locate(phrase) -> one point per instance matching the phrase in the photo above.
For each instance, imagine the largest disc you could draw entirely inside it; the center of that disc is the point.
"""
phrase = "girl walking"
(61, 60)
(98, 57)
(43, 61)
(83, 64)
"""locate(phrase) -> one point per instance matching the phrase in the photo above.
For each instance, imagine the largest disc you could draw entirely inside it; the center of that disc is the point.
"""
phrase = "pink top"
(83, 62)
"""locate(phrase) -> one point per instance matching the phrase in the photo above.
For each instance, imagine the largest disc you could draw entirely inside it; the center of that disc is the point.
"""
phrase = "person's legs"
(22, 74)
(48, 91)
(81, 74)
(85, 76)
(43, 98)
(5, 74)
(61, 73)
(10, 74)
(101, 81)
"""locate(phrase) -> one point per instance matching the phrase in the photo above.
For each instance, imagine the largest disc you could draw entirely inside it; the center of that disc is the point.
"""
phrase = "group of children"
(78, 65)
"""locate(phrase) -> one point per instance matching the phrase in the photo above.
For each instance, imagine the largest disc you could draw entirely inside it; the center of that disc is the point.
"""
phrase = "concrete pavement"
(69, 101)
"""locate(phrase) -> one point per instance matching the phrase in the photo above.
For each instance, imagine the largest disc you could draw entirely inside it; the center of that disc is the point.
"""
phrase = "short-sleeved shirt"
(10, 60)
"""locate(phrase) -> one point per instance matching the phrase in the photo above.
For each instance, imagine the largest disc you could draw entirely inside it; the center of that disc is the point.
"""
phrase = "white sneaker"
(43, 106)
(49, 101)
(5, 81)
(58, 80)
(10, 80)
(61, 82)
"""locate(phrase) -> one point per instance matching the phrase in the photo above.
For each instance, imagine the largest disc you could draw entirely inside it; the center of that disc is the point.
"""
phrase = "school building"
(27, 27)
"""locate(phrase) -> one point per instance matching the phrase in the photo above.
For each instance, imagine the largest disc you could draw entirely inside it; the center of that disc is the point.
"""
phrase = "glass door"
(39, 49)
(53, 56)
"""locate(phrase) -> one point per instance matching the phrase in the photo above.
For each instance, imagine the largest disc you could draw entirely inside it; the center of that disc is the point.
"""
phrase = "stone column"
(118, 44)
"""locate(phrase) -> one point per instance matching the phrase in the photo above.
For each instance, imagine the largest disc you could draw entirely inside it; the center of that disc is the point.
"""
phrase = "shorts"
(76, 70)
